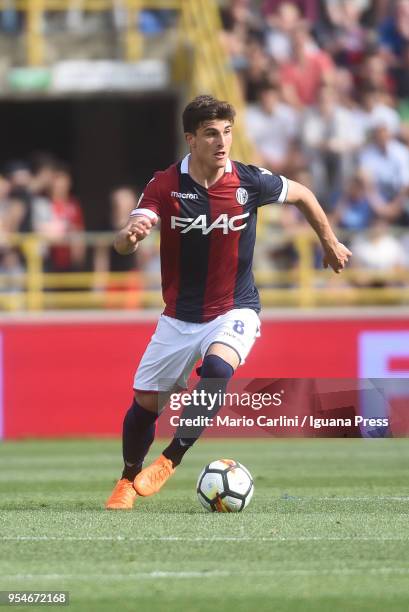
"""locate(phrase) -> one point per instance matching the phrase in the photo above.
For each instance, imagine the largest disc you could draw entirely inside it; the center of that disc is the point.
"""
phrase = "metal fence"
(31, 288)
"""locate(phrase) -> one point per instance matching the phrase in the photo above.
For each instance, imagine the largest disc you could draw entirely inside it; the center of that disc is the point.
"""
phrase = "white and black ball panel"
(245, 470)
(238, 481)
(234, 503)
(205, 502)
(248, 497)
(202, 473)
(222, 465)
(212, 485)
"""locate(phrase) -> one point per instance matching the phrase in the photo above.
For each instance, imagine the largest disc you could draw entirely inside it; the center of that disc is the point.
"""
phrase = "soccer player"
(207, 206)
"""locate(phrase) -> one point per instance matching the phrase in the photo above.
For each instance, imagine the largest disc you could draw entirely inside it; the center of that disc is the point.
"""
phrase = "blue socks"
(138, 433)
(139, 424)
(215, 374)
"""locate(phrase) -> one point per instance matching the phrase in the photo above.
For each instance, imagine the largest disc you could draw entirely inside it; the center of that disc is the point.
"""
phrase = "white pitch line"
(296, 498)
(215, 574)
(372, 498)
(126, 539)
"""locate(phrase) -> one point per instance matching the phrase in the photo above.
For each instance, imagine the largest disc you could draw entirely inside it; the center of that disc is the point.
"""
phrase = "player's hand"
(336, 257)
(139, 229)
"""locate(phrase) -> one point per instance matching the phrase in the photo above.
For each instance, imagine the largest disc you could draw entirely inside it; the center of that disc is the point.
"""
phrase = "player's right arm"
(141, 220)
(127, 239)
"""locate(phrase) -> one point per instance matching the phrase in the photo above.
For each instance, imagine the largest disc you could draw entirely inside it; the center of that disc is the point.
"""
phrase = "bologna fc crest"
(242, 196)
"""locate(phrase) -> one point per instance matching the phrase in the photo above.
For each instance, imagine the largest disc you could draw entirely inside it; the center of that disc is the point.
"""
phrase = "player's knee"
(148, 401)
(214, 366)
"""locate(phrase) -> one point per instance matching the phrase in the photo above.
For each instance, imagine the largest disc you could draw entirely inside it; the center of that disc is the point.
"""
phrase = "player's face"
(211, 143)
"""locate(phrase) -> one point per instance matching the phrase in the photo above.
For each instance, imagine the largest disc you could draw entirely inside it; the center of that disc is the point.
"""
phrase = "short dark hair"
(206, 108)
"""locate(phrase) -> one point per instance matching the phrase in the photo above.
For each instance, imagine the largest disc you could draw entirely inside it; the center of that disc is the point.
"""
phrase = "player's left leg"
(219, 365)
(215, 374)
(225, 345)
(138, 432)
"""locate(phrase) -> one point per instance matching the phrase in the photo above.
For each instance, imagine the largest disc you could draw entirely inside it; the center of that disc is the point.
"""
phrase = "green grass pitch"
(327, 529)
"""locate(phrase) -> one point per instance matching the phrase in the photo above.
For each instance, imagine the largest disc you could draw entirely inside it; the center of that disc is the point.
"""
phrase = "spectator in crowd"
(282, 25)
(241, 23)
(272, 126)
(394, 31)
(358, 205)
(380, 10)
(258, 67)
(28, 197)
(375, 110)
(18, 174)
(401, 75)
(344, 35)
(68, 250)
(122, 201)
(337, 12)
(386, 160)
(308, 68)
(11, 270)
(11, 214)
(43, 167)
(330, 142)
(4, 204)
(373, 73)
(241, 15)
(308, 8)
(377, 256)
(284, 254)
(57, 216)
(344, 85)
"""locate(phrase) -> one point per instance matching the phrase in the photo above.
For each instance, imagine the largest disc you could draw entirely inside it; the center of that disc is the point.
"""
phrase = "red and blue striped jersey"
(208, 237)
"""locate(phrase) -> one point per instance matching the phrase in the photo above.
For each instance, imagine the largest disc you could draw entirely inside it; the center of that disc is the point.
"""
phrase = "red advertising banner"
(75, 378)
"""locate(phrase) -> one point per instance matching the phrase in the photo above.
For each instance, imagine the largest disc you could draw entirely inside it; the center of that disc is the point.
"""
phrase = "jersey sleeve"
(149, 203)
(272, 187)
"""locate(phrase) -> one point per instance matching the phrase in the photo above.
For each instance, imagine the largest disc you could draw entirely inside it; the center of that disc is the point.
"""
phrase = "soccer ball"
(225, 486)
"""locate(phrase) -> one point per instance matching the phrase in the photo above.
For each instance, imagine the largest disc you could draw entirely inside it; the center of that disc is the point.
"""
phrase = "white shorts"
(176, 346)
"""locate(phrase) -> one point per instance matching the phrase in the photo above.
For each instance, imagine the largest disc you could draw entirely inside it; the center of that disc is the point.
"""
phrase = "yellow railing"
(210, 69)
(303, 286)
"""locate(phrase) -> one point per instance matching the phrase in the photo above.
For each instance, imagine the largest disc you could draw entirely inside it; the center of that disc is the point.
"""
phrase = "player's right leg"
(138, 433)
(167, 361)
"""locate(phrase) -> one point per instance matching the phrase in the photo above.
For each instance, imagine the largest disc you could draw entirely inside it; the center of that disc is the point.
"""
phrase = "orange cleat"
(122, 497)
(152, 478)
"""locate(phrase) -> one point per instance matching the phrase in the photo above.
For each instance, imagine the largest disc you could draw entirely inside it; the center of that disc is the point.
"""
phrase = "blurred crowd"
(326, 85)
(327, 92)
(36, 197)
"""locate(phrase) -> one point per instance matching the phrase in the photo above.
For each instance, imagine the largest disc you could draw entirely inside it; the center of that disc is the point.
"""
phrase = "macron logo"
(186, 196)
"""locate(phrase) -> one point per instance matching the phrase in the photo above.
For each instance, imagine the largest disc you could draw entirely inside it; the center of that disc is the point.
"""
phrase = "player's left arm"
(335, 253)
